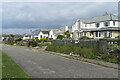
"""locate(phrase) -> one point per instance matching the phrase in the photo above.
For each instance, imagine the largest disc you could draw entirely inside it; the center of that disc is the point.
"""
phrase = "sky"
(20, 17)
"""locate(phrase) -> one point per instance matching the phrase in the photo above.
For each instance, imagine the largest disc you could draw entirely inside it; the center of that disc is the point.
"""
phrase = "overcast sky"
(20, 17)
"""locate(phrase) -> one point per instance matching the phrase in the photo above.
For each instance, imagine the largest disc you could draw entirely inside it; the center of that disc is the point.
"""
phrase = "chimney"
(66, 28)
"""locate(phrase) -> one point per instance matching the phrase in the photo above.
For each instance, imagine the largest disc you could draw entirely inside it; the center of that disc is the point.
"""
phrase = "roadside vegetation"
(84, 52)
(29, 43)
(10, 69)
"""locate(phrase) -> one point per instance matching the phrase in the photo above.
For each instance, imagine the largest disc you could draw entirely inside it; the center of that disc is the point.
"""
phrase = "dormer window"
(106, 24)
(97, 25)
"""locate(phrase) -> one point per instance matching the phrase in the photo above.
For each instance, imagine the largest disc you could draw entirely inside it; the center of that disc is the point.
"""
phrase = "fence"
(102, 45)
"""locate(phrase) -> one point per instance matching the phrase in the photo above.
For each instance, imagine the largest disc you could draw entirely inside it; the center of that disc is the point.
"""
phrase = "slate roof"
(36, 32)
(99, 18)
(45, 31)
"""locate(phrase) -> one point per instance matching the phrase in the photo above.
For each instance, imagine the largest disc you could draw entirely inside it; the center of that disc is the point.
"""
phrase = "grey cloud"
(51, 15)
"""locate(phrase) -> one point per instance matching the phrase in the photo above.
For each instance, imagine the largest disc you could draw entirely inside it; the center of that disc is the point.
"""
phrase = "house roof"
(62, 29)
(99, 18)
(45, 31)
(36, 32)
(55, 31)
(31, 33)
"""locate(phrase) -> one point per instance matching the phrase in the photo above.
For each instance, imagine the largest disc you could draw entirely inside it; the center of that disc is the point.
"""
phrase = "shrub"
(32, 39)
(60, 37)
(43, 39)
(32, 43)
(37, 40)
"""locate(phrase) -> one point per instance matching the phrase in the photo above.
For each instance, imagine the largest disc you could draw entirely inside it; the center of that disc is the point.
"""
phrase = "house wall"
(25, 38)
(75, 35)
(93, 25)
(43, 35)
(66, 28)
(52, 35)
(115, 33)
(83, 25)
(75, 26)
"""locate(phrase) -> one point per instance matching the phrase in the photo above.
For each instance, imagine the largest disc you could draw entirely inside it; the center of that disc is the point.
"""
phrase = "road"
(41, 64)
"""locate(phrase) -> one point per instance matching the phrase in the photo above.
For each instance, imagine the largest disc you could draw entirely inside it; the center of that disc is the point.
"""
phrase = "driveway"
(41, 64)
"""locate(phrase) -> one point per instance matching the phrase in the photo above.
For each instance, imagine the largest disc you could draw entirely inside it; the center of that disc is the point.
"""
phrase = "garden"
(112, 56)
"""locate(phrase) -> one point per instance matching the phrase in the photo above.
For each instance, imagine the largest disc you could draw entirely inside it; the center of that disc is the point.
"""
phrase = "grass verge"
(10, 69)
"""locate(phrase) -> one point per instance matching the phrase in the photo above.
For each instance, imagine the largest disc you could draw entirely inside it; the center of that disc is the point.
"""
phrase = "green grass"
(10, 69)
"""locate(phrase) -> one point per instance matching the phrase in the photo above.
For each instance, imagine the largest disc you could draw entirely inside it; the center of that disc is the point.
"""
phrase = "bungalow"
(36, 34)
(31, 34)
(105, 26)
(5, 37)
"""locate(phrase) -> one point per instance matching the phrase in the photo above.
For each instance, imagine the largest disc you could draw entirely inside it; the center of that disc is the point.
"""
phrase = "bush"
(32, 43)
(60, 37)
(37, 40)
(43, 39)
(32, 39)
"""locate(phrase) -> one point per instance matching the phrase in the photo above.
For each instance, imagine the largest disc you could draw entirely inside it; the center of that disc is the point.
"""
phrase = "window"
(32, 36)
(106, 34)
(90, 34)
(113, 23)
(36, 37)
(40, 36)
(80, 34)
(85, 33)
(97, 24)
(96, 34)
(85, 25)
(106, 24)
(99, 34)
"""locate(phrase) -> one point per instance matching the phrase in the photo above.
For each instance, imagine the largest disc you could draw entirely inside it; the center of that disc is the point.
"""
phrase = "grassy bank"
(84, 52)
(10, 69)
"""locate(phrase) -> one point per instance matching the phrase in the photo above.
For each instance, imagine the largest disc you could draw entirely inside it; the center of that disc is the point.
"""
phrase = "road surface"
(40, 64)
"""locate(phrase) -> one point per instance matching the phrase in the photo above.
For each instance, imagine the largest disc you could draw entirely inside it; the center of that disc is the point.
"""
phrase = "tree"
(67, 34)
(60, 37)
(11, 35)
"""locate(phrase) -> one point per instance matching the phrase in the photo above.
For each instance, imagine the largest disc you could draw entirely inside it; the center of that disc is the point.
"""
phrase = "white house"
(43, 33)
(103, 26)
(31, 34)
(36, 34)
(55, 32)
